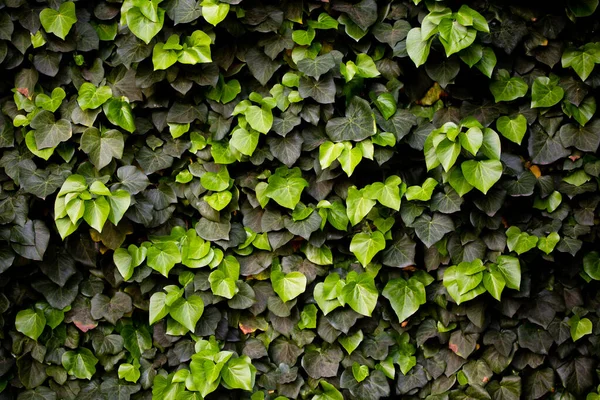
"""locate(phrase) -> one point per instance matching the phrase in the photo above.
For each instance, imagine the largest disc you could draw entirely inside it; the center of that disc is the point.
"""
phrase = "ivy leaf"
(494, 282)
(329, 152)
(285, 191)
(366, 245)
(96, 212)
(510, 268)
(239, 373)
(357, 125)
(545, 91)
(288, 286)
(520, 242)
(358, 205)
(506, 88)
(547, 244)
(512, 128)
(187, 311)
(51, 103)
(102, 147)
(48, 132)
(142, 26)
(582, 60)
(158, 308)
(259, 118)
(591, 265)
(30, 323)
(214, 12)
(81, 363)
(454, 36)
(482, 174)
(118, 112)
(59, 22)
(162, 257)
(431, 229)
(216, 181)
(405, 296)
(360, 293)
(417, 48)
(580, 327)
(91, 97)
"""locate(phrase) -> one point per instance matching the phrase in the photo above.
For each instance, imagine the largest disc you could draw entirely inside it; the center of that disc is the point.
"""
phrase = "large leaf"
(102, 147)
(431, 229)
(358, 124)
(59, 21)
(482, 174)
(187, 311)
(48, 132)
(507, 88)
(405, 296)
(366, 245)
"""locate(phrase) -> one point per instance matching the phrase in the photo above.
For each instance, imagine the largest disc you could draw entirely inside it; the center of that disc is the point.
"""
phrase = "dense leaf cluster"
(299, 199)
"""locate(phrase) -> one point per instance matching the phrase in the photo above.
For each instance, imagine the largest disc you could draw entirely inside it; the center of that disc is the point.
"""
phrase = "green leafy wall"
(299, 199)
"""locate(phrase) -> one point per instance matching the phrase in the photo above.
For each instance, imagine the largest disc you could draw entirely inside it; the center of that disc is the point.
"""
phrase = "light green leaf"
(512, 128)
(51, 103)
(506, 88)
(143, 27)
(259, 118)
(350, 158)
(244, 141)
(187, 311)
(288, 286)
(360, 293)
(118, 112)
(545, 91)
(358, 205)
(329, 152)
(519, 242)
(158, 308)
(447, 153)
(417, 48)
(405, 296)
(454, 36)
(219, 200)
(81, 363)
(90, 97)
(582, 60)
(580, 327)
(163, 58)
(482, 174)
(214, 12)
(129, 372)
(59, 22)
(162, 257)
(119, 201)
(494, 282)
(422, 193)
(510, 268)
(96, 212)
(471, 140)
(216, 181)
(239, 373)
(285, 191)
(547, 244)
(30, 323)
(366, 245)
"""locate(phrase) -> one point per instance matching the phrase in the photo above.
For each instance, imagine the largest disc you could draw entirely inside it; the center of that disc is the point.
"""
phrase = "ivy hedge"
(299, 199)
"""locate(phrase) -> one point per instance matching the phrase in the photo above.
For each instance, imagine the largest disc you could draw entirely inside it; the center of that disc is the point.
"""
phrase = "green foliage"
(316, 200)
